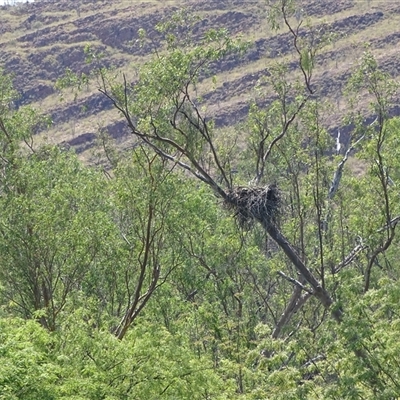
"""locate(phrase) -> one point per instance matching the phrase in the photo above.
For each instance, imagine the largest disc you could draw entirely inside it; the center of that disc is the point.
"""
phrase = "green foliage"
(7, 92)
(54, 222)
(26, 371)
(80, 362)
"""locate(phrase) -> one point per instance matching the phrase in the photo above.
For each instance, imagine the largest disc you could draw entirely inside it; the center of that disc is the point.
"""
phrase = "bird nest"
(254, 204)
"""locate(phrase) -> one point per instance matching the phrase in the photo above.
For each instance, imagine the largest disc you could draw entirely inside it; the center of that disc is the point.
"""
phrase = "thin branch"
(379, 250)
(294, 282)
(4, 130)
(201, 174)
(207, 135)
(295, 303)
(312, 361)
(392, 224)
(384, 183)
(285, 128)
(295, 34)
(339, 171)
(349, 258)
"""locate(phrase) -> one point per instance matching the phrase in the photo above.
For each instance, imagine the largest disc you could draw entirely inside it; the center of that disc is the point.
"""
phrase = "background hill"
(38, 41)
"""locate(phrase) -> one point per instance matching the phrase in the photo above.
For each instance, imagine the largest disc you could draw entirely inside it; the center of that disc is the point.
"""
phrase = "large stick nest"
(254, 204)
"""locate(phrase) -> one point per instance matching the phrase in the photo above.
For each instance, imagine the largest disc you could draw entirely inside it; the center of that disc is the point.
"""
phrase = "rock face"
(38, 41)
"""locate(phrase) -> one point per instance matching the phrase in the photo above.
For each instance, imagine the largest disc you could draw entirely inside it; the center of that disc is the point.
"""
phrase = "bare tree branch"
(339, 171)
(294, 282)
(349, 258)
(318, 291)
(295, 303)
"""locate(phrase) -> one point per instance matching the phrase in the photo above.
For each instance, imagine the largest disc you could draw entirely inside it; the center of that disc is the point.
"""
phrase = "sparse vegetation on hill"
(40, 40)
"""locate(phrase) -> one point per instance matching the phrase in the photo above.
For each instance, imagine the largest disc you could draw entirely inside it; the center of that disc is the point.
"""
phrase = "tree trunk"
(318, 291)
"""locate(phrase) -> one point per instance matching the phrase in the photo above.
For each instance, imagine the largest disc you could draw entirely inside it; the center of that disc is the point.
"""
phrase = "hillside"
(38, 41)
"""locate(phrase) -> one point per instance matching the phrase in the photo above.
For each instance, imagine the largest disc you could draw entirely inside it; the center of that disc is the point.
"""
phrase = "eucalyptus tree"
(145, 193)
(326, 238)
(163, 111)
(53, 218)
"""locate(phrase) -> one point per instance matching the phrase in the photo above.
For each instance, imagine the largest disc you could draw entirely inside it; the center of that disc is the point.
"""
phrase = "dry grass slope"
(38, 41)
